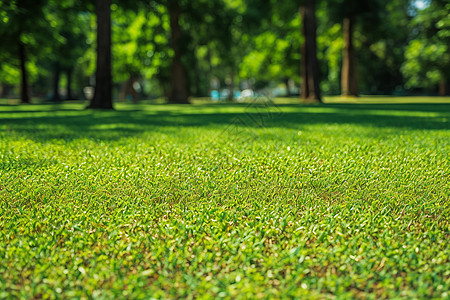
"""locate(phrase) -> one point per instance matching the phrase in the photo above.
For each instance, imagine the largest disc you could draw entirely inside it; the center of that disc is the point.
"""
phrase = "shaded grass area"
(225, 200)
(46, 120)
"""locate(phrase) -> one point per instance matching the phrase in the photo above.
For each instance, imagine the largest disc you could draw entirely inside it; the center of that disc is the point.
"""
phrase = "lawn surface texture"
(242, 201)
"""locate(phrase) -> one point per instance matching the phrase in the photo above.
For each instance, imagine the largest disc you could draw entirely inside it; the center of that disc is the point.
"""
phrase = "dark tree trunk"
(123, 91)
(288, 88)
(103, 79)
(56, 77)
(309, 65)
(349, 80)
(199, 78)
(69, 84)
(4, 91)
(128, 89)
(24, 95)
(304, 88)
(209, 60)
(231, 95)
(179, 87)
(442, 87)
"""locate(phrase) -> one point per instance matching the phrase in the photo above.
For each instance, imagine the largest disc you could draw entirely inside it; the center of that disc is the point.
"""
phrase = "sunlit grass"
(385, 100)
(225, 200)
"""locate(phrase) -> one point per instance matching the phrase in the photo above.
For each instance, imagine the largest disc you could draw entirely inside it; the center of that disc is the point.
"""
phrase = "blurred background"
(225, 50)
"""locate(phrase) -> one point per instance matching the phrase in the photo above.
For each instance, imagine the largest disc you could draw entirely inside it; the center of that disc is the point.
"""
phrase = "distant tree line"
(177, 48)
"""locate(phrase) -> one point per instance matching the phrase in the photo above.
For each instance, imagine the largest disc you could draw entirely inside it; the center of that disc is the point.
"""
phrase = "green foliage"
(397, 44)
(365, 10)
(210, 27)
(272, 57)
(331, 43)
(21, 21)
(215, 201)
(9, 74)
(54, 33)
(425, 63)
(427, 57)
(140, 41)
(71, 26)
(381, 51)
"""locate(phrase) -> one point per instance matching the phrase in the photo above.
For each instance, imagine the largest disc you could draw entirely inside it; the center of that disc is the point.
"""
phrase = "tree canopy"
(181, 49)
(427, 55)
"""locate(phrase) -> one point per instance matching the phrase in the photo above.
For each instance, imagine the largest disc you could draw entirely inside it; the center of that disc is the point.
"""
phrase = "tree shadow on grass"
(68, 124)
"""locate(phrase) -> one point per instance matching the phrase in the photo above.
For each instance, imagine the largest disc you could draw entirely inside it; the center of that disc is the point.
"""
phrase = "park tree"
(217, 38)
(350, 13)
(274, 55)
(192, 25)
(179, 82)
(132, 48)
(254, 38)
(427, 56)
(70, 27)
(139, 45)
(309, 65)
(291, 36)
(23, 28)
(9, 72)
(273, 46)
(380, 49)
(103, 78)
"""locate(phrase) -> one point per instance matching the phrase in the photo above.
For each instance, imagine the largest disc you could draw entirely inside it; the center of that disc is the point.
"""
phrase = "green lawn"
(237, 201)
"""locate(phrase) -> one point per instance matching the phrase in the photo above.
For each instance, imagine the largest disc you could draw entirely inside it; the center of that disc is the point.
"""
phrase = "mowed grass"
(237, 201)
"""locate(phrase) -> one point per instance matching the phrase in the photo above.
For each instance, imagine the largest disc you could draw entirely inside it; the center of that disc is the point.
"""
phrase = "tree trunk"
(103, 79)
(209, 60)
(288, 88)
(309, 65)
(69, 84)
(24, 95)
(304, 87)
(231, 94)
(123, 91)
(199, 77)
(179, 88)
(128, 89)
(349, 80)
(4, 90)
(57, 70)
(442, 87)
